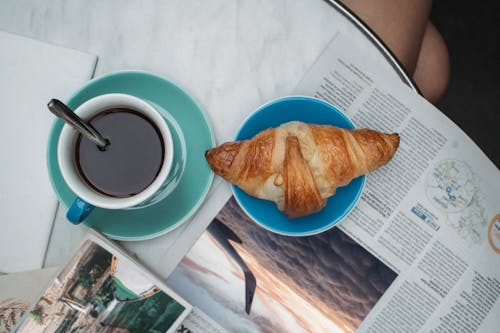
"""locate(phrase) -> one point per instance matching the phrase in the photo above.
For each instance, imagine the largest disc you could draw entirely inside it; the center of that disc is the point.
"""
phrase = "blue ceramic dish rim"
(331, 224)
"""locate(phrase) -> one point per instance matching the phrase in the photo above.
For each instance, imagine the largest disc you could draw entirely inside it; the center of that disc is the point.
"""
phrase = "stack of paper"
(32, 73)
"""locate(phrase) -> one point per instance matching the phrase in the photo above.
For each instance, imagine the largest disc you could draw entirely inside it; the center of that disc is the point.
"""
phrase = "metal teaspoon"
(64, 112)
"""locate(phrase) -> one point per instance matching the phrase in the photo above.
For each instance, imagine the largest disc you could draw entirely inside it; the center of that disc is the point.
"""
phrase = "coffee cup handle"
(79, 211)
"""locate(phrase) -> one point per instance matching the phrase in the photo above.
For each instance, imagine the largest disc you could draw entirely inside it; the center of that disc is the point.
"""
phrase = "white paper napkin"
(32, 73)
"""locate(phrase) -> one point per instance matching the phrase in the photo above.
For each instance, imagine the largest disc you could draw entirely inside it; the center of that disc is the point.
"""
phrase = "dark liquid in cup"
(130, 163)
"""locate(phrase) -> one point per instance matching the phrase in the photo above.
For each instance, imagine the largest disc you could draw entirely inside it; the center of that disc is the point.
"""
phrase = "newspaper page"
(419, 253)
(432, 214)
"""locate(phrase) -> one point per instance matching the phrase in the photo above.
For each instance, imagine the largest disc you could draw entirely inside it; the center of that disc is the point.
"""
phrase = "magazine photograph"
(252, 280)
(100, 291)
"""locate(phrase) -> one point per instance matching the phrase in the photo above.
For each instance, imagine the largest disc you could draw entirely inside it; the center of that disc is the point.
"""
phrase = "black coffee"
(132, 160)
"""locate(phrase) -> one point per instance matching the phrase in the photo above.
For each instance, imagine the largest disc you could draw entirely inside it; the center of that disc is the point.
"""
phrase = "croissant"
(299, 165)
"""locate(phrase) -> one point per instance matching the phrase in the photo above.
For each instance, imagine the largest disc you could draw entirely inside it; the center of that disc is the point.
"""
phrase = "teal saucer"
(190, 177)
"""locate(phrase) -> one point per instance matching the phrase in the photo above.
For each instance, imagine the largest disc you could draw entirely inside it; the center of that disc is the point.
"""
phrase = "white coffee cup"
(87, 197)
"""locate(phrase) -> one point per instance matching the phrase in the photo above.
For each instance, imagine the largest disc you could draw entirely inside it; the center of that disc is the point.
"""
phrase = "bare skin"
(404, 27)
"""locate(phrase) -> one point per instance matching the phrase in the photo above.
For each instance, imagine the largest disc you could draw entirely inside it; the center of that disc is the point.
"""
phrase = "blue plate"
(265, 213)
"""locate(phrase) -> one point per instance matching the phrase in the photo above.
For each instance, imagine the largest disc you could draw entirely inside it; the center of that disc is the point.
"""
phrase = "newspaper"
(419, 253)
(432, 214)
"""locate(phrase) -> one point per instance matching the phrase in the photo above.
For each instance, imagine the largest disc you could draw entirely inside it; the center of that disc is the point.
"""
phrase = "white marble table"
(231, 56)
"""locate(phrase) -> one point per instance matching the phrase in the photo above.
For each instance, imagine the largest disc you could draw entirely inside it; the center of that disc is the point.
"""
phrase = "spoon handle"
(62, 111)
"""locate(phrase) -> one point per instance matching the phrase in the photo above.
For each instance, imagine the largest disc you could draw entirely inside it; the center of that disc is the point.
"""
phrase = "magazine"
(420, 252)
(249, 279)
(100, 289)
(18, 291)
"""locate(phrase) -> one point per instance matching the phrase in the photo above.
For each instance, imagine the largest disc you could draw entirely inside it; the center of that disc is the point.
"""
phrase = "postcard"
(101, 289)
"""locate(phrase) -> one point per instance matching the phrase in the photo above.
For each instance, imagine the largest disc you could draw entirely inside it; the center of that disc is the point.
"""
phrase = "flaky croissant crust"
(299, 165)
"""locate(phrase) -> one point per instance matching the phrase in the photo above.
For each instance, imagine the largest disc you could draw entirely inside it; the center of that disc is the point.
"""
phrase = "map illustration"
(452, 187)
(494, 234)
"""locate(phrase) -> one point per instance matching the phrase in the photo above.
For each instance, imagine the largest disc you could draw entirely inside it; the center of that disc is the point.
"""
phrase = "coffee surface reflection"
(130, 163)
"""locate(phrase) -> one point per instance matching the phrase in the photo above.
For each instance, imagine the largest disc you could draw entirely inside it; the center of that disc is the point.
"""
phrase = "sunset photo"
(252, 280)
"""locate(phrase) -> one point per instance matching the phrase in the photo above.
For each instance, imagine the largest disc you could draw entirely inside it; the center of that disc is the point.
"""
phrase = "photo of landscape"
(100, 292)
(249, 279)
